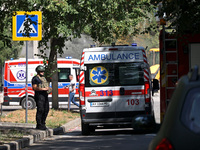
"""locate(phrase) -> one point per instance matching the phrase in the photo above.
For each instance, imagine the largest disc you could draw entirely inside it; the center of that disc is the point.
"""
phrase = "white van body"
(15, 75)
(115, 86)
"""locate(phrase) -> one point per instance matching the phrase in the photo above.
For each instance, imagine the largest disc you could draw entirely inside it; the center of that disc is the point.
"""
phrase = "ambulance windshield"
(117, 74)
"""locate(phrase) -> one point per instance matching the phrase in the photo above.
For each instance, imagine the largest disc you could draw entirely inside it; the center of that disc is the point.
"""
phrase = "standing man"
(72, 91)
(42, 89)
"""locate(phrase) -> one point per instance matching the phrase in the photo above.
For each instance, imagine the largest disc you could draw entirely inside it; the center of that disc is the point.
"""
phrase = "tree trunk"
(53, 67)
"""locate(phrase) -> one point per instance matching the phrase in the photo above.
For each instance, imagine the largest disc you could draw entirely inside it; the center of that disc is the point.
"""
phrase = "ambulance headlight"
(134, 44)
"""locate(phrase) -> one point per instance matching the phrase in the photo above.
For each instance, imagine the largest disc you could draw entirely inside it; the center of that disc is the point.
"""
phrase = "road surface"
(118, 139)
(106, 139)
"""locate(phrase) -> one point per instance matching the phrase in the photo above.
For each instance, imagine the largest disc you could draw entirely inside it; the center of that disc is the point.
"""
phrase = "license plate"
(99, 104)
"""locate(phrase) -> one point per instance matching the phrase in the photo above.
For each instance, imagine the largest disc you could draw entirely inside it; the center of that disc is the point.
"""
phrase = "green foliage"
(8, 49)
(104, 20)
(149, 37)
(182, 14)
(9, 52)
(62, 20)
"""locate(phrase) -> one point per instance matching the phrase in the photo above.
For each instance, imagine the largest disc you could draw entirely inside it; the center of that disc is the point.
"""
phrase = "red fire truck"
(178, 54)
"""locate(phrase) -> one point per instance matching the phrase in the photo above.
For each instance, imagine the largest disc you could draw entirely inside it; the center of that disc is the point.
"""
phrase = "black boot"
(41, 127)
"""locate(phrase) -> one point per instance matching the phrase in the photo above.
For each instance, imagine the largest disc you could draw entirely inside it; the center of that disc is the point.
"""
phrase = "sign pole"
(68, 102)
(19, 33)
(26, 117)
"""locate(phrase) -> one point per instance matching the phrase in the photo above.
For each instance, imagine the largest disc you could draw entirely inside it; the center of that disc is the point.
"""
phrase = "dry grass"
(55, 118)
(10, 135)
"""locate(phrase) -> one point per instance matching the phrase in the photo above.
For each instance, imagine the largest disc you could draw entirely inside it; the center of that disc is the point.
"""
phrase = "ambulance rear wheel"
(31, 103)
(85, 129)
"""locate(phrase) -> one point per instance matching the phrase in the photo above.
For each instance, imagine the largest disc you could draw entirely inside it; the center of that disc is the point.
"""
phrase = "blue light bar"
(134, 44)
(68, 57)
(92, 46)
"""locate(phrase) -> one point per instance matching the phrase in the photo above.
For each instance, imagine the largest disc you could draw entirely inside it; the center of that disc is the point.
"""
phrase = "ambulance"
(115, 86)
(15, 77)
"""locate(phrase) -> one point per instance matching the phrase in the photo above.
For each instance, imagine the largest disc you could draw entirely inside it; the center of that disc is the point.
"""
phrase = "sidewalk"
(34, 135)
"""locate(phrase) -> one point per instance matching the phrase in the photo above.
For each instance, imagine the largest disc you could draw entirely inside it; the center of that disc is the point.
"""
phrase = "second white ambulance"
(114, 85)
(15, 76)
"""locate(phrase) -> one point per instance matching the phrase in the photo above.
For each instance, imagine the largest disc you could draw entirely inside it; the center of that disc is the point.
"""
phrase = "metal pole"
(26, 117)
(1, 111)
(68, 102)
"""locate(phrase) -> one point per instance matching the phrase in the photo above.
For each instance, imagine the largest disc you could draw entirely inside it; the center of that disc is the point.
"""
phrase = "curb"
(66, 127)
(38, 135)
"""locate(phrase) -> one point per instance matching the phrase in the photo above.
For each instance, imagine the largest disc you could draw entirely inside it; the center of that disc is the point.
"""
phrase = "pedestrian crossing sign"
(27, 26)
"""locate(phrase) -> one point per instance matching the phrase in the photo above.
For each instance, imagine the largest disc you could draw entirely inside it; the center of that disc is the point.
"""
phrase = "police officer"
(41, 88)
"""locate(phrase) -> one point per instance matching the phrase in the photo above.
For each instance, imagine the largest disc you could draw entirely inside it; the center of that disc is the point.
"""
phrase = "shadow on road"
(117, 139)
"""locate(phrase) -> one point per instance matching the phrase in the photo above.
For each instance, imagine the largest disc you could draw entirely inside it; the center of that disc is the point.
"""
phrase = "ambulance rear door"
(99, 85)
(130, 98)
(129, 83)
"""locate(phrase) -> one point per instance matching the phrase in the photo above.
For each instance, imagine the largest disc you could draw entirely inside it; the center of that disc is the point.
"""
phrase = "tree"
(62, 20)
(8, 49)
(148, 38)
(182, 14)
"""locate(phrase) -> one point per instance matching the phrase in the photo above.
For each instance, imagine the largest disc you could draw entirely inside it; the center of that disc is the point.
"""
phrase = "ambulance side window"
(63, 75)
(129, 74)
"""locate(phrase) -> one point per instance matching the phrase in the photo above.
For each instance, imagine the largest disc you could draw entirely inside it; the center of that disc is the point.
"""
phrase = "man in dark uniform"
(41, 88)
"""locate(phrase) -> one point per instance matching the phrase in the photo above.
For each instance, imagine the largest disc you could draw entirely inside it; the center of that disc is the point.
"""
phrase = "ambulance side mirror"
(155, 86)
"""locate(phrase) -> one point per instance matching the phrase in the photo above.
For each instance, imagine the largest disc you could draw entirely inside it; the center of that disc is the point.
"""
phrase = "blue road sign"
(21, 19)
(20, 22)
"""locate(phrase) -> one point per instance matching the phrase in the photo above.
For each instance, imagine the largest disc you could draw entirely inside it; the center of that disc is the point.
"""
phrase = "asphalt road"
(106, 139)
(117, 139)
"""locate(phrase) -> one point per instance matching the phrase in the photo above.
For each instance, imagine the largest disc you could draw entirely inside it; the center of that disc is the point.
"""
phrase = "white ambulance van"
(115, 86)
(15, 78)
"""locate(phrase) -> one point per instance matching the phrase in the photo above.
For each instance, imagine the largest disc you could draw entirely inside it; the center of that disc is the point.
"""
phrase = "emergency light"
(134, 44)
(68, 57)
(92, 46)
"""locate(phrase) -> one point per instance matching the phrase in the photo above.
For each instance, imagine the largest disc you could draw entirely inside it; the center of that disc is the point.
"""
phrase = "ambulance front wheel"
(31, 103)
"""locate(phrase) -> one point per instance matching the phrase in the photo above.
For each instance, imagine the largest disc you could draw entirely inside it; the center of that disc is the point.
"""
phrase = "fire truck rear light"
(147, 92)
(112, 49)
(147, 86)
(164, 145)
(147, 100)
(5, 91)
